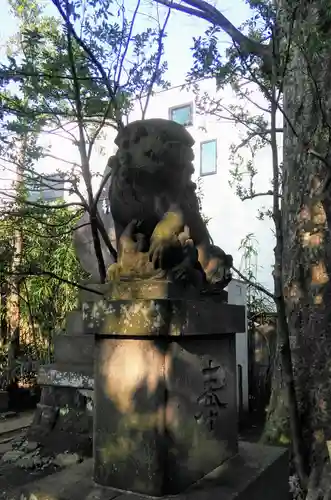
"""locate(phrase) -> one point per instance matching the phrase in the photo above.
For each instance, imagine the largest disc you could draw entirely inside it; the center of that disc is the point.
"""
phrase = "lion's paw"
(114, 272)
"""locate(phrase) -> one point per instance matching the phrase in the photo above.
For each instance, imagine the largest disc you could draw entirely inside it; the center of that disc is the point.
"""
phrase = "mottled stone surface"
(64, 417)
(92, 292)
(165, 384)
(157, 317)
(165, 388)
(256, 473)
(74, 349)
(167, 411)
(74, 323)
(63, 421)
(66, 375)
(147, 289)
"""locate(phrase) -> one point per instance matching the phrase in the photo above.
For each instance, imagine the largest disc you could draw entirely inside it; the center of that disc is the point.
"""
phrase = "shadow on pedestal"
(165, 410)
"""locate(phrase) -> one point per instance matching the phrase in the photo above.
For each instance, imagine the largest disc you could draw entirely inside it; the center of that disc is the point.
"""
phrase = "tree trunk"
(306, 216)
(13, 302)
(3, 312)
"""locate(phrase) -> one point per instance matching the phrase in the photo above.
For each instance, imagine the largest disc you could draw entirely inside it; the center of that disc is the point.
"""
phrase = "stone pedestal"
(64, 417)
(165, 386)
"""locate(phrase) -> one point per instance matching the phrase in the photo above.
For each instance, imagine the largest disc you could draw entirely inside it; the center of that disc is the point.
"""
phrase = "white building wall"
(237, 291)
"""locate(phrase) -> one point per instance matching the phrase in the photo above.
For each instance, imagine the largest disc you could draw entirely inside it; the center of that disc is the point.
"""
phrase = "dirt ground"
(13, 428)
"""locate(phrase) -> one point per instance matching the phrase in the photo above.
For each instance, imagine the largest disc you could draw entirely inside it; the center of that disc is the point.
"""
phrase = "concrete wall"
(237, 291)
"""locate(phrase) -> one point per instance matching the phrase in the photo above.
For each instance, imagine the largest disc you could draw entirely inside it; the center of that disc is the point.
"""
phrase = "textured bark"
(306, 220)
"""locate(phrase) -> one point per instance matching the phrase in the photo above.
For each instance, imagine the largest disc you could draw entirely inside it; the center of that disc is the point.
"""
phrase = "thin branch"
(54, 235)
(127, 43)
(287, 53)
(47, 206)
(261, 108)
(82, 149)
(71, 163)
(55, 276)
(101, 187)
(256, 195)
(92, 57)
(157, 63)
(26, 214)
(262, 134)
(305, 145)
(12, 74)
(104, 236)
(203, 10)
(253, 284)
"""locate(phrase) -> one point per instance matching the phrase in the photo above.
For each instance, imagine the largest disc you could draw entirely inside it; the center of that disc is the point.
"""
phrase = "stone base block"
(256, 473)
(63, 420)
(78, 376)
(74, 323)
(74, 349)
(166, 412)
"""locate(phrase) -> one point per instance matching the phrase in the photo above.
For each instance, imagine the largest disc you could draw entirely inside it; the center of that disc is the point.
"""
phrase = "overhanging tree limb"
(255, 285)
(49, 274)
(203, 10)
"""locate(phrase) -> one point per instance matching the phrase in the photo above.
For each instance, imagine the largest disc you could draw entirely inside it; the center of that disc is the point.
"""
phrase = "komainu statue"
(158, 225)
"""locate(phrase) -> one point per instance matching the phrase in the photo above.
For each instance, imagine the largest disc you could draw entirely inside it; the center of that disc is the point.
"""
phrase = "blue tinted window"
(182, 115)
(208, 157)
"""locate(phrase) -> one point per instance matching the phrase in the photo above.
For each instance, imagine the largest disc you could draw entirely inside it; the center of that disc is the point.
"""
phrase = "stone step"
(79, 376)
(74, 323)
(74, 349)
(255, 470)
(92, 292)
(71, 483)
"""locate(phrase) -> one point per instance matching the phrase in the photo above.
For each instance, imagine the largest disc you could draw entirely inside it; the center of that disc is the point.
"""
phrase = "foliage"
(73, 74)
(258, 304)
(40, 64)
(200, 195)
(48, 266)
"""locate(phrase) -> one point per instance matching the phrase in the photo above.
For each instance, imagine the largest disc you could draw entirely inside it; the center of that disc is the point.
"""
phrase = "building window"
(208, 157)
(182, 114)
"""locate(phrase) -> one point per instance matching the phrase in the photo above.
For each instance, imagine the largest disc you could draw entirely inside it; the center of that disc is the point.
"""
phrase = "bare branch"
(203, 10)
(24, 212)
(255, 134)
(157, 64)
(71, 163)
(46, 206)
(92, 57)
(128, 40)
(305, 145)
(82, 148)
(102, 185)
(255, 285)
(256, 195)
(52, 275)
